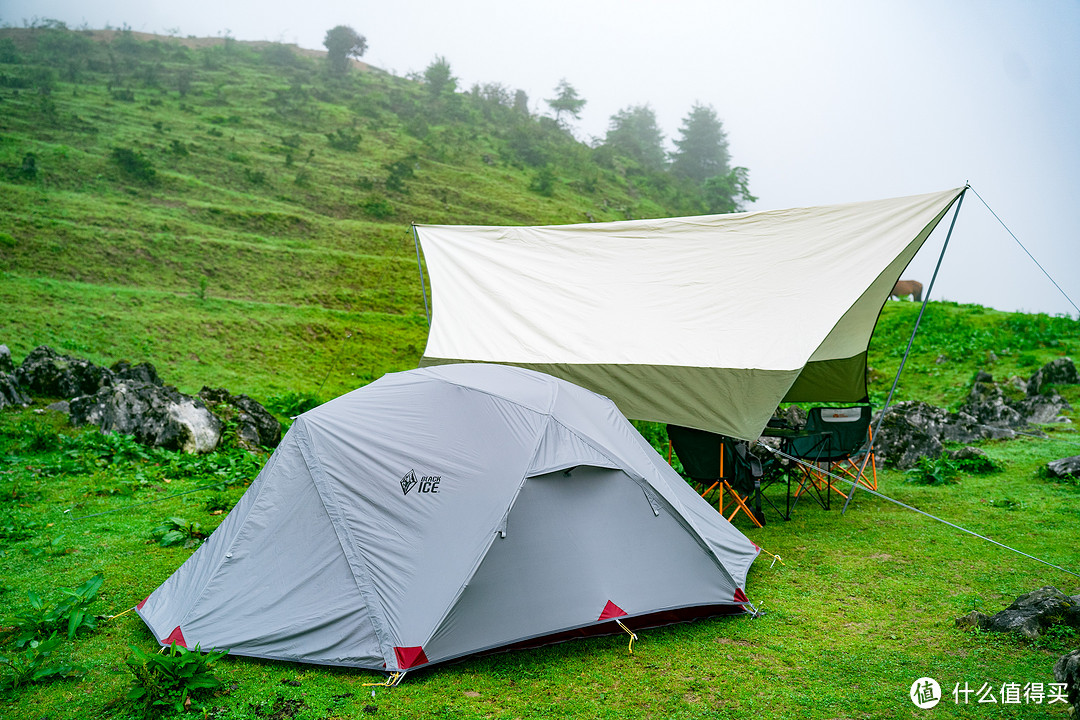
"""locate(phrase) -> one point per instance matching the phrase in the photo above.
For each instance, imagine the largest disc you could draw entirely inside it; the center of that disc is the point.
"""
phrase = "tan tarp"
(707, 322)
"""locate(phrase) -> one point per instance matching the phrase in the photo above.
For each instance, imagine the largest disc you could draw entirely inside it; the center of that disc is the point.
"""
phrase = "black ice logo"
(408, 482)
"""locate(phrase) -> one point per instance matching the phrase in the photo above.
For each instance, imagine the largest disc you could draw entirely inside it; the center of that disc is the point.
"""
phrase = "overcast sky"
(824, 101)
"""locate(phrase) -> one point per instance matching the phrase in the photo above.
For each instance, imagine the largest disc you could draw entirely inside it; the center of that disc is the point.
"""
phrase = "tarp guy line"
(907, 351)
(909, 507)
(1026, 250)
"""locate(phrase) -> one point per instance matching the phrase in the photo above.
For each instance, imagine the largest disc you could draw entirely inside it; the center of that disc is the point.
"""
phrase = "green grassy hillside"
(239, 195)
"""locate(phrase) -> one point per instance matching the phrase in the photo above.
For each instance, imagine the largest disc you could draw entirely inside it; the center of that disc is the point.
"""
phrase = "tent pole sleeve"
(420, 267)
(907, 350)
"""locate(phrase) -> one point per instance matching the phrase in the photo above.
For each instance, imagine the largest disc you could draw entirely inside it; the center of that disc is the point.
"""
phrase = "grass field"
(860, 606)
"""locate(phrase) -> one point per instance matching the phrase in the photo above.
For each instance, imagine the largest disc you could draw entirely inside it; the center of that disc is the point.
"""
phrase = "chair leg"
(740, 505)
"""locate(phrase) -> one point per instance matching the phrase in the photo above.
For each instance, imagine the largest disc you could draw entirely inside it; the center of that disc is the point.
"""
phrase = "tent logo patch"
(428, 484)
(408, 482)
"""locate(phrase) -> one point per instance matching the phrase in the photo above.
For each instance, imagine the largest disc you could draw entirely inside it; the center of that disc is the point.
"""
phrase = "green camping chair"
(724, 464)
(831, 436)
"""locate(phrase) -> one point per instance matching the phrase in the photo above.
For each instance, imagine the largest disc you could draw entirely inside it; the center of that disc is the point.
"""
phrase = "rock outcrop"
(156, 415)
(1030, 615)
(47, 373)
(1065, 467)
(992, 411)
(255, 426)
(1067, 670)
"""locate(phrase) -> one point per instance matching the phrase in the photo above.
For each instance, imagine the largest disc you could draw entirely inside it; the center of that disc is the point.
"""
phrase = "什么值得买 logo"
(427, 484)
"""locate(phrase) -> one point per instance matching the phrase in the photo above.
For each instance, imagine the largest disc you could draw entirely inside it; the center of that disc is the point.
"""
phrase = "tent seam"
(353, 553)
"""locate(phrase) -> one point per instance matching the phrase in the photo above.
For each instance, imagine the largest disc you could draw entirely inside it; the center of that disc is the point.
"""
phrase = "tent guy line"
(792, 458)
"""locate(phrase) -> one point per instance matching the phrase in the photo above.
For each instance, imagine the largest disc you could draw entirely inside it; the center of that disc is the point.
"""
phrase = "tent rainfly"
(446, 511)
(708, 322)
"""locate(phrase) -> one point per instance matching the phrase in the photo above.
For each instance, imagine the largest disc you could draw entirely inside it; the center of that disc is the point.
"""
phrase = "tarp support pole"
(907, 351)
(420, 267)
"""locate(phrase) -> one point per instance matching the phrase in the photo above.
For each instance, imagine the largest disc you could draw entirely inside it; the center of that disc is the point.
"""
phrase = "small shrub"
(398, 172)
(291, 404)
(171, 681)
(979, 465)
(178, 531)
(344, 140)
(179, 149)
(255, 177)
(544, 182)
(28, 169)
(935, 471)
(134, 164)
(9, 54)
(218, 503)
(124, 95)
(377, 206)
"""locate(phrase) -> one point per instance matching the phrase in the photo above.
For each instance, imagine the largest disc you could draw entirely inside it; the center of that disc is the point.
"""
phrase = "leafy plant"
(178, 531)
(32, 437)
(171, 680)
(49, 546)
(1008, 503)
(978, 465)
(218, 503)
(15, 525)
(291, 404)
(33, 665)
(70, 615)
(935, 471)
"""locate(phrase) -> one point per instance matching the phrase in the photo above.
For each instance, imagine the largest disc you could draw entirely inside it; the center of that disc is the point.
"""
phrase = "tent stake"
(907, 351)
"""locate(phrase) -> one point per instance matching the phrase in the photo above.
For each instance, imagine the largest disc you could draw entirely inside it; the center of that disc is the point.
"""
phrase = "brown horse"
(903, 288)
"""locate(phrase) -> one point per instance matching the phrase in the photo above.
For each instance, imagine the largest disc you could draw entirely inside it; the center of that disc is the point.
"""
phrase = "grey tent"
(446, 511)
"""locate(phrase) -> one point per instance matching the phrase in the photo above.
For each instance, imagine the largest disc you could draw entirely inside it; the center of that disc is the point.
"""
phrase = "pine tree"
(702, 148)
(633, 132)
(567, 101)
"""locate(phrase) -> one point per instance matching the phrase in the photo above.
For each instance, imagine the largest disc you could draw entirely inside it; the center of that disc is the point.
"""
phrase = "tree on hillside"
(702, 147)
(521, 102)
(438, 78)
(342, 43)
(728, 193)
(633, 132)
(567, 101)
